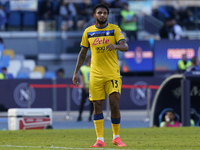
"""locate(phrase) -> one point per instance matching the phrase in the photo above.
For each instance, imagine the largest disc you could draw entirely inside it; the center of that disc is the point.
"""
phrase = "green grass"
(137, 138)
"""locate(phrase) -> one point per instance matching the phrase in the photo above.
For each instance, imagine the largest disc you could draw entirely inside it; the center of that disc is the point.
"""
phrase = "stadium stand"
(14, 19)
(29, 63)
(25, 70)
(35, 75)
(14, 67)
(20, 57)
(49, 75)
(2, 47)
(9, 52)
(2, 64)
(22, 75)
(29, 19)
(9, 76)
(40, 69)
(5, 59)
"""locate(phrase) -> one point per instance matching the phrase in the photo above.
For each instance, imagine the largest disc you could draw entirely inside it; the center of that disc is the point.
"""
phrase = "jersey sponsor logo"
(138, 95)
(97, 41)
(22, 94)
(100, 49)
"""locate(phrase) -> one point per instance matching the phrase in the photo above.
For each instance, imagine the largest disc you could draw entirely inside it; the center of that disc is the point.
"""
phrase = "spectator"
(170, 120)
(185, 16)
(72, 17)
(177, 29)
(3, 18)
(60, 74)
(128, 22)
(46, 10)
(67, 19)
(194, 64)
(3, 73)
(183, 64)
(118, 3)
(82, 17)
(166, 32)
(84, 79)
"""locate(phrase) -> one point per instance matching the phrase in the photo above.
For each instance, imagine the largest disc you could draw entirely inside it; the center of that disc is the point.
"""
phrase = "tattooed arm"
(122, 46)
(80, 60)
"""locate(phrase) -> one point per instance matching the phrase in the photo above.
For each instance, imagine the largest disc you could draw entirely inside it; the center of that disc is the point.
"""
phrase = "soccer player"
(104, 40)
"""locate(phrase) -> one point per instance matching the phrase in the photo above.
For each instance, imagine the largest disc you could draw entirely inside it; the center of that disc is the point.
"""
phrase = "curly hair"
(101, 5)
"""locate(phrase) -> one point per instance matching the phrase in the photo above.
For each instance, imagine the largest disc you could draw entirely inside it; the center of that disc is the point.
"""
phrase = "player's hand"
(110, 47)
(75, 80)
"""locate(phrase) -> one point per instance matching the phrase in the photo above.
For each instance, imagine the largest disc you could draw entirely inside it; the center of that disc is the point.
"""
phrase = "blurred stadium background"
(34, 47)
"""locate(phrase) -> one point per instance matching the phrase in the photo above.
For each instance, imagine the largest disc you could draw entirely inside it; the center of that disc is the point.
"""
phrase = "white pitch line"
(55, 147)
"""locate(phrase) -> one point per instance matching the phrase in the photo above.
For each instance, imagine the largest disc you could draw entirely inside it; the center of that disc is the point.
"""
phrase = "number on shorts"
(114, 83)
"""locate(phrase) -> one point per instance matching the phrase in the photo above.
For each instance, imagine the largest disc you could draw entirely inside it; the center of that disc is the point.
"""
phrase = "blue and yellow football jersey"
(103, 63)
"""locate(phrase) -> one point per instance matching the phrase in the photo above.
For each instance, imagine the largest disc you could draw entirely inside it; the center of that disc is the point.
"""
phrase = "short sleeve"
(84, 41)
(81, 69)
(162, 124)
(119, 35)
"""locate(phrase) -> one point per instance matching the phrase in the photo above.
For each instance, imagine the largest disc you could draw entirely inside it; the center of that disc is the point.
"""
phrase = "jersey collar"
(102, 27)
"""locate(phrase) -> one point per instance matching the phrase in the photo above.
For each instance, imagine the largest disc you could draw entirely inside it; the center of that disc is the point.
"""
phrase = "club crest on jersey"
(107, 33)
(98, 41)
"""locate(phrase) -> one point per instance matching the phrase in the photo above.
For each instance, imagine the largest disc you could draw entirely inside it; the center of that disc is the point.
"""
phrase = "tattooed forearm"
(123, 46)
(81, 59)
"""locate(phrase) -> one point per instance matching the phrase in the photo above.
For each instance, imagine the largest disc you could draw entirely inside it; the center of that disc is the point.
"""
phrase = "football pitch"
(77, 139)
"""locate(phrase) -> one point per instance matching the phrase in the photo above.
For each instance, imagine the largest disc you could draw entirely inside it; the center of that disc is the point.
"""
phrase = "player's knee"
(114, 105)
(114, 96)
(98, 105)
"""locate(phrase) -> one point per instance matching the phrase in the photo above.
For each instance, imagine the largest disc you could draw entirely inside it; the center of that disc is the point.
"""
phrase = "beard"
(101, 22)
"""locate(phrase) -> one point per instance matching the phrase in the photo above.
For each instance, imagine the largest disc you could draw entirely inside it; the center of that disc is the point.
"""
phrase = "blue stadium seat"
(1, 50)
(5, 59)
(29, 19)
(9, 76)
(2, 64)
(2, 47)
(162, 115)
(22, 75)
(14, 19)
(49, 75)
